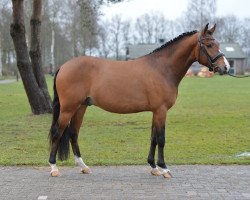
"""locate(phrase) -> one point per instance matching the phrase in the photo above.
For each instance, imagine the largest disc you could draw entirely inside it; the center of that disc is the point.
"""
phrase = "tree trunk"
(1, 65)
(52, 47)
(35, 96)
(35, 50)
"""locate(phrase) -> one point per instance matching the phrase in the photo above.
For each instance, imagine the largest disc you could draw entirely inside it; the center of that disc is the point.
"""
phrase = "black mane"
(174, 40)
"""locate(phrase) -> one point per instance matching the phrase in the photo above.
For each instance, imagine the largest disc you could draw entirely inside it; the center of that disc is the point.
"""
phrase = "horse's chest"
(164, 95)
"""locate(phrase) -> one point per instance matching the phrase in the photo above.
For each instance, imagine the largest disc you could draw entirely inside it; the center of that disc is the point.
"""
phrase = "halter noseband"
(212, 65)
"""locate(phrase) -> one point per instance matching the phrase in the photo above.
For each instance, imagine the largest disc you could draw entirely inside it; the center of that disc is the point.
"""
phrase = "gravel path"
(126, 182)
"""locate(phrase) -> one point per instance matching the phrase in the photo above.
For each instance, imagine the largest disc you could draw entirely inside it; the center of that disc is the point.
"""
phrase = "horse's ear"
(205, 29)
(211, 31)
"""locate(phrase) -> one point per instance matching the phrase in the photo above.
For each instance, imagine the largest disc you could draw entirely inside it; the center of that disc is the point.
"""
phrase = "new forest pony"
(148, 83)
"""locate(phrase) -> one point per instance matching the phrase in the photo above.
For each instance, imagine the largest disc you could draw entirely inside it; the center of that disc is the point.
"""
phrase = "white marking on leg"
(79, 162)
(84, 168)
(164, 171)
(53, 168)
(155, 171)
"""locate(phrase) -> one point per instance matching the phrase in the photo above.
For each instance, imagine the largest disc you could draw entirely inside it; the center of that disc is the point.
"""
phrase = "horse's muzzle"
(221, 70)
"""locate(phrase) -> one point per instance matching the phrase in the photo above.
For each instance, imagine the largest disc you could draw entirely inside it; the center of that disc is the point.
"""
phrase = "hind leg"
(57, 131)
(151, 156)
(75, 126)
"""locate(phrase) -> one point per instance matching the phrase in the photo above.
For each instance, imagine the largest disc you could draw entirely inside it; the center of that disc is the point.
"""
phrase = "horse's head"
(209, 53)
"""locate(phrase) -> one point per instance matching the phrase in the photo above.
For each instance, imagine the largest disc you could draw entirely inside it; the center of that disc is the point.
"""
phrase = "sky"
(173, 9)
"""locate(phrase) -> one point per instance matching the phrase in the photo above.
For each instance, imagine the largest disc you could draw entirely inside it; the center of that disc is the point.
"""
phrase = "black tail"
(56, 103)
(63, 146)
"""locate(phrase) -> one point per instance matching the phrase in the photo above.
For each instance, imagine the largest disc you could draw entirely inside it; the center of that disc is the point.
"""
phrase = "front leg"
(161, 143)
(158, 137)
(151, 156)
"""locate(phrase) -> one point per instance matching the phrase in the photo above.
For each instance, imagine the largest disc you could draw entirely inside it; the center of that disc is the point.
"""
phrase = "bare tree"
(7, 48)
(56, 48)
(126, 30)
(1, 65)
(35, 50)
(245, 33)
(59, 42)
(104, 48)
(74, 26)
(147, 22)
(37, 100)
(53, 14)
(159, 27)
(229, 28)
(149, 28)
(88, 24)
(144, 27)
(140, 36)
(116, 34)
(199, 13)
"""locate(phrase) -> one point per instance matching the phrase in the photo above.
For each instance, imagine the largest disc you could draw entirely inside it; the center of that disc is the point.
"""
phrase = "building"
(235, 56)
(233, 52)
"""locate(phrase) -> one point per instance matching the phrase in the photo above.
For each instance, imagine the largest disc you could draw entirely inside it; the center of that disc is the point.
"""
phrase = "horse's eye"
(209, 46)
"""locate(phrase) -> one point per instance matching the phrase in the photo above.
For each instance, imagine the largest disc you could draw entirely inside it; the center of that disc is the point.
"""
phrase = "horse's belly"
(122, 108)
(120, 102)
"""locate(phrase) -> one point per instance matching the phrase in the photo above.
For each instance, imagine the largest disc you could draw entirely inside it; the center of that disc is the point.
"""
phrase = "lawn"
(210, 124)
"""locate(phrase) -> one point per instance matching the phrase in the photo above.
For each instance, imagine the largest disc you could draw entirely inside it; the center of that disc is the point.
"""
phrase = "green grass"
(210, 124)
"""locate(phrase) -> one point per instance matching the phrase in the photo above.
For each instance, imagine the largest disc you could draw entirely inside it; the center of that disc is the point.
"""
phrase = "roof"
(231, 50)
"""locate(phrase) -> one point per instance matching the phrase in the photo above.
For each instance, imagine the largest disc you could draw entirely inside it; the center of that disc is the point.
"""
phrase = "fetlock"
(161, 164)
(151, 161)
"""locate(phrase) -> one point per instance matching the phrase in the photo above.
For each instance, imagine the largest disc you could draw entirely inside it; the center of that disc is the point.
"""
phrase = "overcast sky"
(173, 9)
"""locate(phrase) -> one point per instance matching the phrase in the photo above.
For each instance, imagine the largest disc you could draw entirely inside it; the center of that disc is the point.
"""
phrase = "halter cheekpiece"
(212, 65)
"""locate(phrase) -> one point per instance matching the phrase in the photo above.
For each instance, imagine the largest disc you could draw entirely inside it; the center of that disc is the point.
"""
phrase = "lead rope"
(238, 76)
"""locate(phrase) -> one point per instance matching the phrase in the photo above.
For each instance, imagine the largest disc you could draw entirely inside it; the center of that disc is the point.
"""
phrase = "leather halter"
(212, 65)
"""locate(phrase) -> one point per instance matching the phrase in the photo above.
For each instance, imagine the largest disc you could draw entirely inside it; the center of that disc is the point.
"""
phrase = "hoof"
(156, 172)
(55, 173)
(86, 170)
(167, 175)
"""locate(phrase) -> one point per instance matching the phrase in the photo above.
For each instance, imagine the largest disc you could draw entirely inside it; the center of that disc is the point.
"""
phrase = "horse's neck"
(175, 61)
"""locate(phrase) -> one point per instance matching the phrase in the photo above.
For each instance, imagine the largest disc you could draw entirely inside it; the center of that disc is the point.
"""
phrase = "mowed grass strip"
(210, 124)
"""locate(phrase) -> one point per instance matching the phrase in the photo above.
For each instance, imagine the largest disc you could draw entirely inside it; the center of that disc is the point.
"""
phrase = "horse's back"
(89, 71)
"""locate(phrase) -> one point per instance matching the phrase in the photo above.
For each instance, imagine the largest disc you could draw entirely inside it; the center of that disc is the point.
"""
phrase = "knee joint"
(161, 141)
(153, 141)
